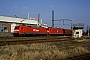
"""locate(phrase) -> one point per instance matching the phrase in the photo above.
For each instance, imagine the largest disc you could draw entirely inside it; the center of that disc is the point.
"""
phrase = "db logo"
(35, 30)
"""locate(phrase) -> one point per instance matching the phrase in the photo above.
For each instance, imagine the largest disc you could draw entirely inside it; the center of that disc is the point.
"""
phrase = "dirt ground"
(45, 51)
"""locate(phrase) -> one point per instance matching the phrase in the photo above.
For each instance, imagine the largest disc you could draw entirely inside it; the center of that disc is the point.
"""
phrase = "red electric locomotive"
(55, 31)
(27, 30)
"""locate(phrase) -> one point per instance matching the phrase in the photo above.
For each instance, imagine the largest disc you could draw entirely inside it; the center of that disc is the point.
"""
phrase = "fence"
(6, 34)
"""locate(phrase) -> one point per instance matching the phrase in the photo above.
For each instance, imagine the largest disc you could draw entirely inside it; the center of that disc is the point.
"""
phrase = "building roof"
(17, 20)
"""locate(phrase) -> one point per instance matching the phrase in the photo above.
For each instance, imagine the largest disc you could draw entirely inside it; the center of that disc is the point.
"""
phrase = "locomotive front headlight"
(16, 30)
(47, 31)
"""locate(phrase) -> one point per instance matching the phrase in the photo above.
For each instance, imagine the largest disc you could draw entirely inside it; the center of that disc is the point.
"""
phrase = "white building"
(17, 20)
(77, 33)
(78, 30)
(11, 22)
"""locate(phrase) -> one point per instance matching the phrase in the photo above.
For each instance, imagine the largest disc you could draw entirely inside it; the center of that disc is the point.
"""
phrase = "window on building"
(1, 30)
(77, 32)
(5, 28)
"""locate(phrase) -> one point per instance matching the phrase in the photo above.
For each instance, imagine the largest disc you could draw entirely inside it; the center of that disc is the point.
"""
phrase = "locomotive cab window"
(21, 27)
(17, 27)
(47, 29)
(1, 30)
(77, 32)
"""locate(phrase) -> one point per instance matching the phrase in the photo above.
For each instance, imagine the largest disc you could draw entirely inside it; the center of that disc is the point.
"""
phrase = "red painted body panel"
(55, 31)
(38, 30)
(67, 31)
(52, 31)
(60, 31)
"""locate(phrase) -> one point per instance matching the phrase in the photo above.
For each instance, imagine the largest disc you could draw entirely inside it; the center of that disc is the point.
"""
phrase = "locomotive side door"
(22, 30)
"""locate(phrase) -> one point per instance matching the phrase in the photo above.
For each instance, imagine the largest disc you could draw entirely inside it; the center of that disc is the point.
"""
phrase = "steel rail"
(80, 57)
(32, 40)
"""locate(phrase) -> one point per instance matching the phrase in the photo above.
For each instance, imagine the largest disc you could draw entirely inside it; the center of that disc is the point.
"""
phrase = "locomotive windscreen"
(17, 27)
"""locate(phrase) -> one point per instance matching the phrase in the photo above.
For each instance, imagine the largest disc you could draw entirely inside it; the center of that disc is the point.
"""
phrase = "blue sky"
(76, 10)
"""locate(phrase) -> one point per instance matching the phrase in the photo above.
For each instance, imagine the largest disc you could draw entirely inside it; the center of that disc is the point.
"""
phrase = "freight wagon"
(67, 32)
(27, 31)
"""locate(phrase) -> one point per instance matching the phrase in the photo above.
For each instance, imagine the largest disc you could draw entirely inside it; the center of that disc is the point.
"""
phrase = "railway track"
(26, 40)
(81, 57)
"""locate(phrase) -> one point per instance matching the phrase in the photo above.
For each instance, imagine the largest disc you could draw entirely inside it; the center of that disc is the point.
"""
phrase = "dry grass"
(40, 51)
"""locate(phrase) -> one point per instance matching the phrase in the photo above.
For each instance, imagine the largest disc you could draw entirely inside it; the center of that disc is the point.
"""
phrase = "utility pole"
(28, 16)
(72, 27)
(52, 18)
(88, 27)
(63, 22)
